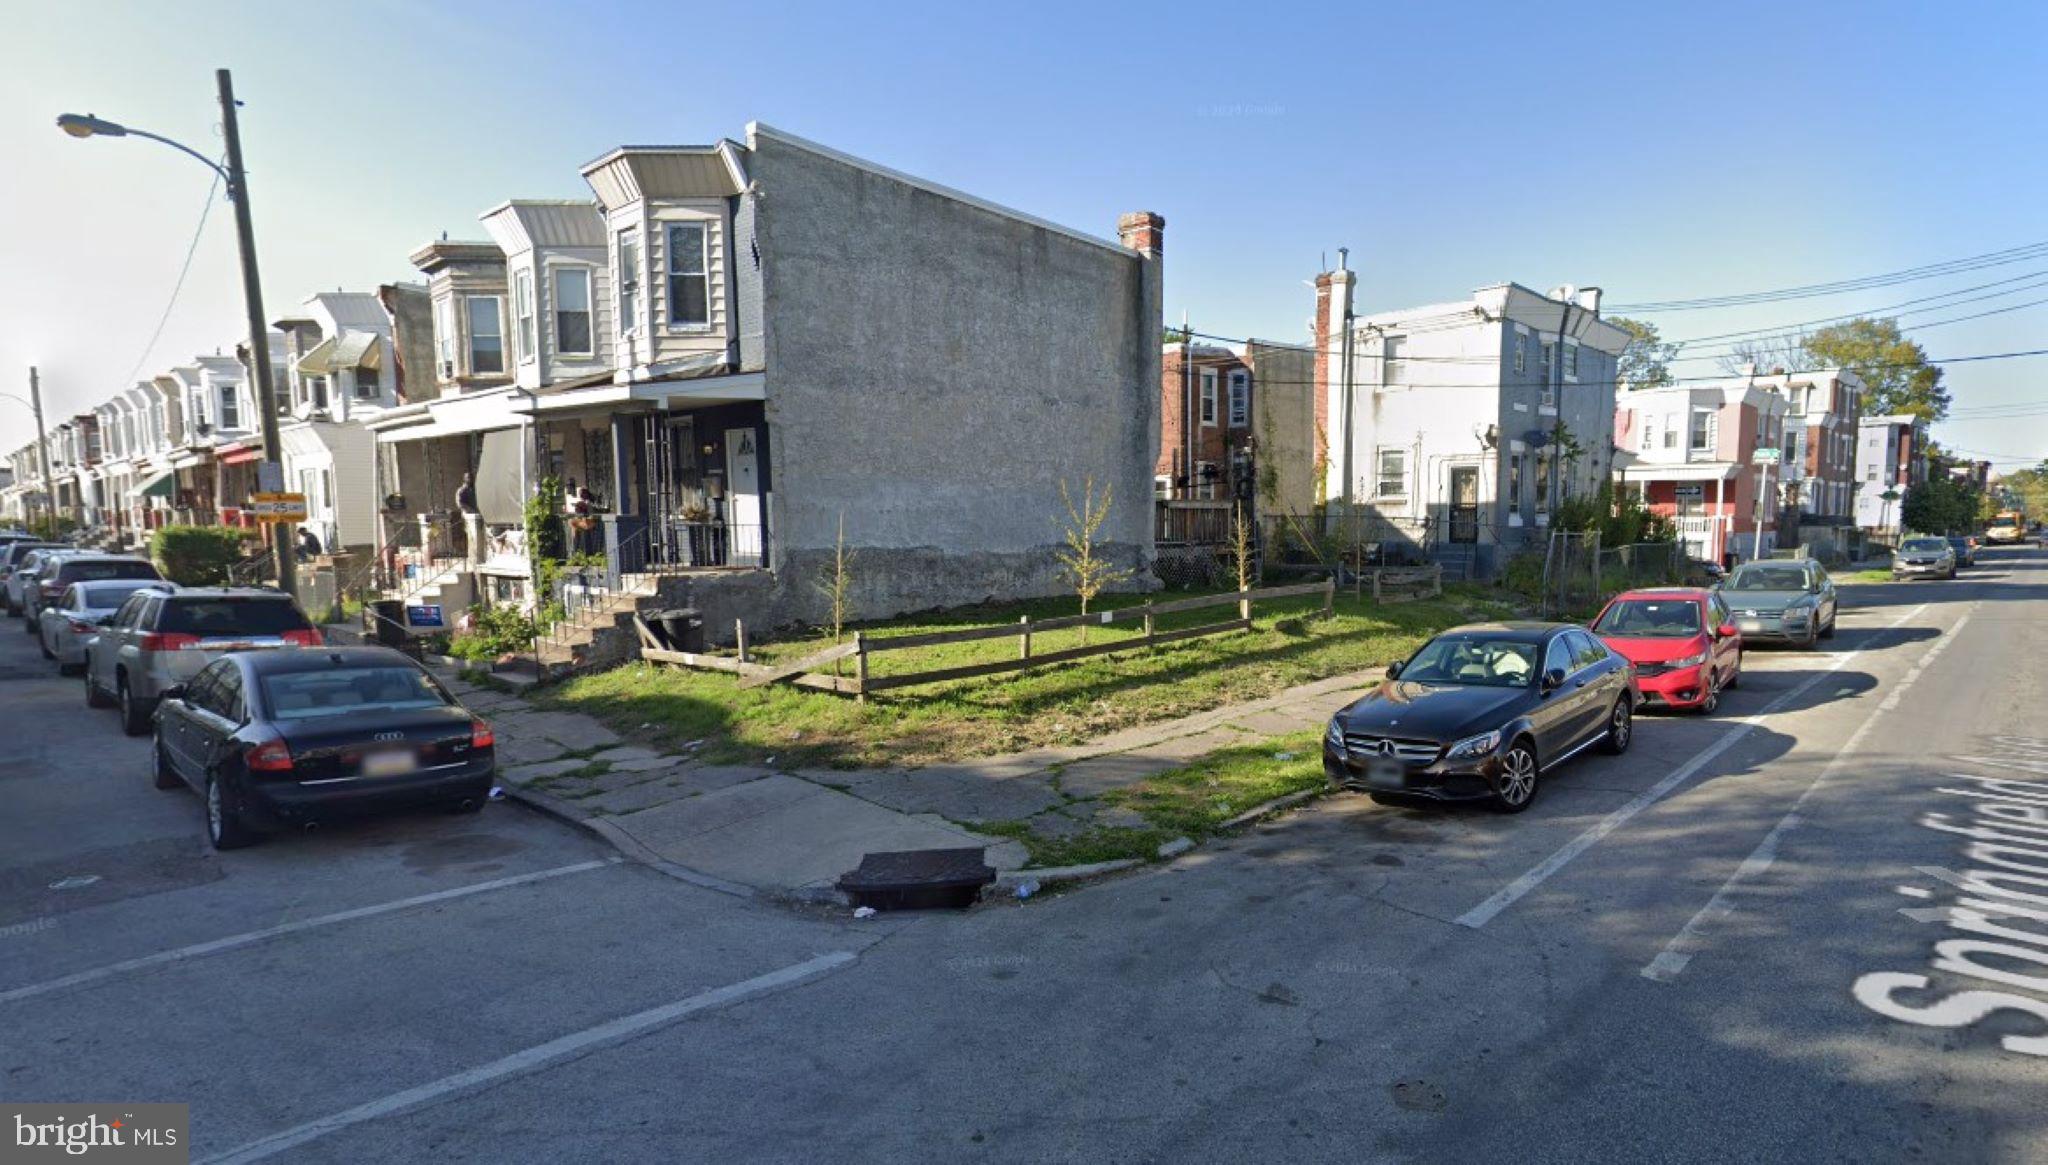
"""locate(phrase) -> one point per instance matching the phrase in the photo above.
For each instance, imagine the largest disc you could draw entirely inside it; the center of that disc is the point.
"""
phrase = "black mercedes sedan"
(1481, 713)
(288, 739)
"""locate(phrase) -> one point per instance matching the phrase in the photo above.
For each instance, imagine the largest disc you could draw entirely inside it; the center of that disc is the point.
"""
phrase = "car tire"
(1621, 728)
(1520, 775)
(1828, 632)
(223, 828)
(1711, 702)
(164, 775)
(134, 713)
(94, 698)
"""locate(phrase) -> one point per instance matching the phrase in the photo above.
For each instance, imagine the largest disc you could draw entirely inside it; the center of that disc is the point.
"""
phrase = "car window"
(336, 691)
(227, 693)
(201, 688)
(1558, 656)
(232, 616)
(1650, 619)
(1924, 544)
(108, 596)
(1586, 650)
(1768, 578)
(145, 615)
(89, 569)
(130, 611)
(73, 599)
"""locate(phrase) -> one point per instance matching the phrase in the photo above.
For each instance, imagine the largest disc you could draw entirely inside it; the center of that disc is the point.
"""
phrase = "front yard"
(1062, 704)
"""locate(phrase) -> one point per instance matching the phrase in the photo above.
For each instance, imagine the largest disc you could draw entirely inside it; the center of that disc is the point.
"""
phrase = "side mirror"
(1553, 679)
(174, 692)
(1726, 631)
(1394, 670)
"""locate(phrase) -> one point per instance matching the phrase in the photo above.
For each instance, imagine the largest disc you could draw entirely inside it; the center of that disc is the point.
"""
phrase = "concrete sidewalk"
(793, 832)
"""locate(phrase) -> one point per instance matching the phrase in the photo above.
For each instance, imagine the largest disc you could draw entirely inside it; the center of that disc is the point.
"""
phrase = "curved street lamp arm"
(209, 163)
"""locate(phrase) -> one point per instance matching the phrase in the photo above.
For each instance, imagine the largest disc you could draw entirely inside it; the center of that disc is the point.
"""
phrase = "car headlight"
(1688, 661)
(1472, 746)
(1334, 736)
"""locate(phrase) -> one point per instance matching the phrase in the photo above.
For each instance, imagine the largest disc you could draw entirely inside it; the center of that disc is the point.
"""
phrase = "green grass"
(1103, 844)
(1061, 704)
(1881, 575)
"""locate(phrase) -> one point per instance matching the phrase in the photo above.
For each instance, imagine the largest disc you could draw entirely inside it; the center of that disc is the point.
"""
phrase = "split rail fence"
(811, 671)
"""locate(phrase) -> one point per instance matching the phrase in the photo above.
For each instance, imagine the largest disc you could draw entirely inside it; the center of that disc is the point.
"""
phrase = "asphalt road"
(1694, 952)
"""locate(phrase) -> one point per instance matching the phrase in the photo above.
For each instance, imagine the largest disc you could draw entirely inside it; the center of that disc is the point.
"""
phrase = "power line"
(177, 288)
(1838, 287)
(1880, 311)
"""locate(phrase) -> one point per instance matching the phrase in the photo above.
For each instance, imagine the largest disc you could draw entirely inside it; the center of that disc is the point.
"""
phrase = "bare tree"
(1241, 546)
(1081, 560)
(1769, 354)
(837, 587)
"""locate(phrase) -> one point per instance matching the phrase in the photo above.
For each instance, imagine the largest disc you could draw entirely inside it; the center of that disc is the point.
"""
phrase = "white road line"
(1672, 960)
(250, 938)
(1514, 891)
(535, 1058)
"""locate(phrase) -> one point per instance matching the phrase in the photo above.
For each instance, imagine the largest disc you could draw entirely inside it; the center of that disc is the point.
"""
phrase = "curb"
(628, 845)
(1275, 805)
(1011, 879)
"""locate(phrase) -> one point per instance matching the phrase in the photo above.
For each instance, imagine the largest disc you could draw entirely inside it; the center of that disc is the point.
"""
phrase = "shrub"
(196, 556)
(497, 630)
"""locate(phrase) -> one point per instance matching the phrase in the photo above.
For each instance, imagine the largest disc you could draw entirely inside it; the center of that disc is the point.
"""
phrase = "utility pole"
(259, 332)
(1344, 349)
(35, 404)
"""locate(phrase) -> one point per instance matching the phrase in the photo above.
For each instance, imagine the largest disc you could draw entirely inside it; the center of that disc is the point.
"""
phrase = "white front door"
(743, 497)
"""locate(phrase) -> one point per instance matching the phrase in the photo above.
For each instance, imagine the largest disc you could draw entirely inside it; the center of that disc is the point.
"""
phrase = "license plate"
(1751, 625)
(1381, 773)
(389, 764)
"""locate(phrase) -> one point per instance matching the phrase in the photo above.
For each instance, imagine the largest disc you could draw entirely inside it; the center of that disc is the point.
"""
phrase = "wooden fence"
(1407, 582)
(808, 672)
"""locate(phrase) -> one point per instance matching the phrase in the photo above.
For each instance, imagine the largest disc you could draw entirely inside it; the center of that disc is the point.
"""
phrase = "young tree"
(1081, 560)
(837, 587)
(1646, 362)
(1241, 546)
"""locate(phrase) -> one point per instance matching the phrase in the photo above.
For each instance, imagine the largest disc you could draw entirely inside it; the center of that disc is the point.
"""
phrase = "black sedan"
(1481, 712)
(292, 738)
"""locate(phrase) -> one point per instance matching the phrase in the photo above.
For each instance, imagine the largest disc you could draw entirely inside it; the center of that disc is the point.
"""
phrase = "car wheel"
(1711, 702)
(1621, 728)
(1828, 632)
(223, 828)
(94, 698)
(1518, 776)
(166, 777)
(134, 713)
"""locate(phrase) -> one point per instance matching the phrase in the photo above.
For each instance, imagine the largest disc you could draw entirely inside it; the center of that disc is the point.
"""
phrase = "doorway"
(1465, 503)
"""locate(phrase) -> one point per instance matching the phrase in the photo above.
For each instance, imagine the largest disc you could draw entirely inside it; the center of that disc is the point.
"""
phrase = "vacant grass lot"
(1060, 704)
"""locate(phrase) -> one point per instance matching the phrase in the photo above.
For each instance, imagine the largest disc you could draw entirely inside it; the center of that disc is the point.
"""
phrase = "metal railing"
(590, 595)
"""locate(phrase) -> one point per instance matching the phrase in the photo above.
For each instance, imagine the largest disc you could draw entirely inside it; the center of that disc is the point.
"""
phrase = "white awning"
(337, 353)
(1692, 471)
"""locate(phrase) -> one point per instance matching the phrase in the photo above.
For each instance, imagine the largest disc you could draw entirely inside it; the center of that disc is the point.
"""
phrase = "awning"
(336, 353)
(162, 485)
(190, 458)
(239, 454)
(500, 477)
(1689, 471)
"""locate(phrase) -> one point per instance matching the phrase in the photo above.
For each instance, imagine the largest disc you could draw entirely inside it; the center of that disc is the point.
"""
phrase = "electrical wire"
(177, 288)
(1808, 291)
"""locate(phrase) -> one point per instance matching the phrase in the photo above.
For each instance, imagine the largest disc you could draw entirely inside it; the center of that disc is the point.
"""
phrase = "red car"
(1682, 640)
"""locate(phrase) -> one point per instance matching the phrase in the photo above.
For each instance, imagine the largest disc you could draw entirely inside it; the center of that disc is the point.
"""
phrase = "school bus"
(2006, 528)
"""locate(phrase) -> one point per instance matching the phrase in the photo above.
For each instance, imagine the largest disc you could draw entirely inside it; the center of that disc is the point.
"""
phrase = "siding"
(670, 343)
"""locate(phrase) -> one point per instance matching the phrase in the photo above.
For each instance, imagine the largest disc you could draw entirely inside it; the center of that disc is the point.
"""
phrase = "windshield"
(1934, 544)
(88, 571)
(1650, 619)
(109, 596)
(1473, 659)
(265, 616)
(1769, 578)
(309, 694)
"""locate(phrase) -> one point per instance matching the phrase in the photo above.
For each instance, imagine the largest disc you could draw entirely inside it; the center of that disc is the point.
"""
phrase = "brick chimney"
(1333, 303)
(1142, 230)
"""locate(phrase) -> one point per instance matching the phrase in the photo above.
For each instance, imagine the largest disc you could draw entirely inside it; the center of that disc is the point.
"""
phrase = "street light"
(237, 180)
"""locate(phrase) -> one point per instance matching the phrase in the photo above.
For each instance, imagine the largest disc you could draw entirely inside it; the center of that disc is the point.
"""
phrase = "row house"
(1824, 410)
(1891, 462)
(1459, 427)
(1236, 430)
(1689, 450)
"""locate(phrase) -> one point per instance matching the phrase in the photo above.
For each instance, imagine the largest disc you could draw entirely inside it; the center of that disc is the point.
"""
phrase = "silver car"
(22, 579)
(157, 640)
(78, 615)
(1924, 558)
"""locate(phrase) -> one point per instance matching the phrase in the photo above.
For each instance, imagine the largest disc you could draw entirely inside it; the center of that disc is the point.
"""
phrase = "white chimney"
(1589, 298)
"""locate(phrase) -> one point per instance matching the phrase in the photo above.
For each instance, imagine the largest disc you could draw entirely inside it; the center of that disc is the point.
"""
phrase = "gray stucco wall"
(746, 284)
(934, 372)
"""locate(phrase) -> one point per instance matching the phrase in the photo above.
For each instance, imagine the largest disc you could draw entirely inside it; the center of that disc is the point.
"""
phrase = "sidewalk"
(746, 828)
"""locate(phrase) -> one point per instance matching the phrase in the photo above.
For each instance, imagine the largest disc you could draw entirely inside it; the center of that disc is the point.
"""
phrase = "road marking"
(1672, 960)
(250, 938)
(535, 1058)
(1514, 891)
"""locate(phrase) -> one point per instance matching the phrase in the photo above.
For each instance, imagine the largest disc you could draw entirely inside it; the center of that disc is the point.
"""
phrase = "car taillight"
(305, 638)
(272, 756)
(168, 641)
(81, 627)
(480, 735)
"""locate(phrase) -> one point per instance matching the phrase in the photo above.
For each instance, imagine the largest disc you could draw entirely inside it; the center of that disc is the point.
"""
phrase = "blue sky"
(1659, 151)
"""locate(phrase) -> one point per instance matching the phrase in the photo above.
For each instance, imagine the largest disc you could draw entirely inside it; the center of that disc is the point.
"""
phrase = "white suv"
(156, 640)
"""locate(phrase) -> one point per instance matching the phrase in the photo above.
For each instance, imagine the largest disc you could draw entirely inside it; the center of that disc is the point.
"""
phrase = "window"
(1571, 361)
(1547, 357)
(689, 279)
(1240, 399)
(1392, 481)
(1514, 483)
(340, 691)
(522, 310)
(486, 335)
(369, 383)
(1521, 352)
(444, 337)
(309, 484)
(629, 282)
(317, 388)
(1558, 656)
(1649, 433)
(1208, 396)
(572, 311)
(1705, 428)
(1542, 483)
(1395, 372)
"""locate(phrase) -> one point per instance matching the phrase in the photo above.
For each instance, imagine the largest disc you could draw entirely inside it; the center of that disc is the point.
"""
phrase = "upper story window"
(629, 282)
(1396, 372)
(522, 310)
(230, 407)
(486, 335)
(1521, 353)
(1208, 396)
(1240, 398)
(1571, 361)
(572, 312)
(317, 388)
(689, 278)
(1705, 428)
(444, 337)
(369, 382)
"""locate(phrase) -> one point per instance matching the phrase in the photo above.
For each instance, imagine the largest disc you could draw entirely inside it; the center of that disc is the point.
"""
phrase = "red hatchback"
(1682, 640)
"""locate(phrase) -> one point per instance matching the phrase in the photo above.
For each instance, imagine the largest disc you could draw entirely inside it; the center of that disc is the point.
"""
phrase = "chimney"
(1589, 298)
(1333, 304)
(1142, 230)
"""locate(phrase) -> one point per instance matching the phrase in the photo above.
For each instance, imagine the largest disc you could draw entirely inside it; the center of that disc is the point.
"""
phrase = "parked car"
(22, 560)
(64, 627)
(1683, 642)
(1924, 558)
(280, 739)
(1481, 712)
(1701, 573)
(57, 573)
(157, 640)
(1787, 600)
(1965, 548)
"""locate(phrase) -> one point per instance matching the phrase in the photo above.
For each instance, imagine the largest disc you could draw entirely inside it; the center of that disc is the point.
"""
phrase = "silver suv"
(156, 640)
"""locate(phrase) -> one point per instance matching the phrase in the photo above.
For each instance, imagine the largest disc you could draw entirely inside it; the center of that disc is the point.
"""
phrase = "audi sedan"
(295, 738)
(1482, 713)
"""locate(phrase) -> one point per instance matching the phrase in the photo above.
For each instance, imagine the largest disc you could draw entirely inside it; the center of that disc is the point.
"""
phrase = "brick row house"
(1689, 451)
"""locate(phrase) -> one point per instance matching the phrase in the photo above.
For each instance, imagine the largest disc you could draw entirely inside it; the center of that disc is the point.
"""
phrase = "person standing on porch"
(465, 508)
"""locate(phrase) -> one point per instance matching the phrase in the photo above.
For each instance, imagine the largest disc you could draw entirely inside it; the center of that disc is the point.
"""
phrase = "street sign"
(278, 507)
(270, 477)
(1690, 493)
(1765, 457)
